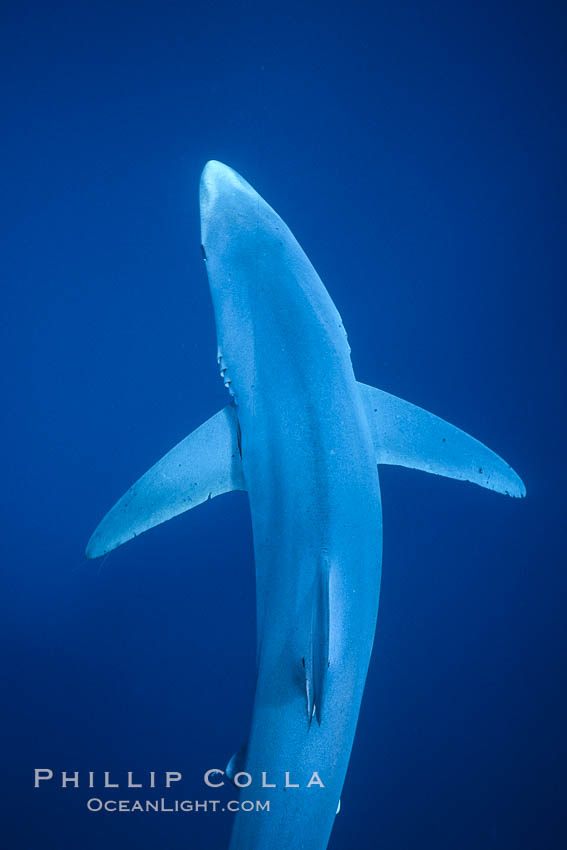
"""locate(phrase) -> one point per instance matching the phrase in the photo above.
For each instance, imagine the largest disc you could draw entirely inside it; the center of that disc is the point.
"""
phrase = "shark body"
(304, 439)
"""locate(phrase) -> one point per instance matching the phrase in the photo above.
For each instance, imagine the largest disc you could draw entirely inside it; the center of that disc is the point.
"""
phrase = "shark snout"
(212, 178)
(218, 183)
(227, 203)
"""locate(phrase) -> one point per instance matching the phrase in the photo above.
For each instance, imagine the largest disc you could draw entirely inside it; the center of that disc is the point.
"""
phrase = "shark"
(304, 440)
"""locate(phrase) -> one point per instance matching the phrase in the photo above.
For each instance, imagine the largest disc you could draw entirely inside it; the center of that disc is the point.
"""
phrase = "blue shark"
(304, 440)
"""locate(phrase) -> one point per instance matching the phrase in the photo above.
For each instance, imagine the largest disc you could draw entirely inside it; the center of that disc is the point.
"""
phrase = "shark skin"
(310, 471)
(303, 439)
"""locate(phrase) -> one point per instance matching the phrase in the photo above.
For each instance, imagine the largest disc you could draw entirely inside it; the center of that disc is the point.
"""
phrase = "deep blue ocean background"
(417, 152)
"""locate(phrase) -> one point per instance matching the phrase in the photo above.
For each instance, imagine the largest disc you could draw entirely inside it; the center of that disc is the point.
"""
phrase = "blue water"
(416, 153)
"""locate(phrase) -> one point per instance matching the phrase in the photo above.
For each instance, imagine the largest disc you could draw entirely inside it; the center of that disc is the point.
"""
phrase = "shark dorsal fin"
(316, 662)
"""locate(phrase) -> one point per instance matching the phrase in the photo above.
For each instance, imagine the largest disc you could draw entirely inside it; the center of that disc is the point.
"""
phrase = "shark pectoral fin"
(236, 764)
(406, 435)
(205, 464)
(316, 662)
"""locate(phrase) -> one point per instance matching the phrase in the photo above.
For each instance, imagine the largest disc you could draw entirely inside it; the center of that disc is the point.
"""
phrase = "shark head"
(273, 315)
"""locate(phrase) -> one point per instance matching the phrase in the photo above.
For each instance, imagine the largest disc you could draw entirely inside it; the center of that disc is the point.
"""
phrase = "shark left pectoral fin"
(205, 464)
(406, 435)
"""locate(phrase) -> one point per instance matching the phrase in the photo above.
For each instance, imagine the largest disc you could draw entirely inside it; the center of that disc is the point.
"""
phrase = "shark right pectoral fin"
(205, 464)
(407, 435)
